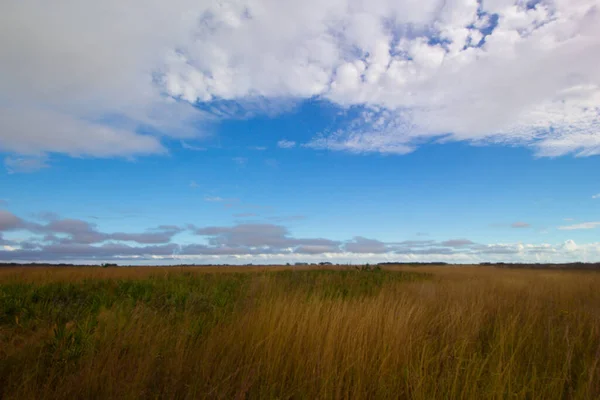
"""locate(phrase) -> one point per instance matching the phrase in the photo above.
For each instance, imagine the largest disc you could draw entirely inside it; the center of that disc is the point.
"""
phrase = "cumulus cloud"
(79, 78)
(76, 231)
(10, 222)
(317, 248)
(498, 249)
(570, 246)
(105, 79)
(162, 234)
(364, 245)
(457, 243)
(504, 72)
(583, 225)
(269, 237)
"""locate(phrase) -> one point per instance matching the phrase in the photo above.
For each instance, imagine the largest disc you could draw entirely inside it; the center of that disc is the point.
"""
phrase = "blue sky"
(374, 132)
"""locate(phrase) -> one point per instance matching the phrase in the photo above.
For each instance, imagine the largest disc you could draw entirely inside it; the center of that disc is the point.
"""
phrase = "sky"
(262, 131)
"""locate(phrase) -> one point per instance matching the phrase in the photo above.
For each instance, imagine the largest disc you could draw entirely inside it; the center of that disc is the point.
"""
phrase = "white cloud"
(219, 199)
(188, 146)
(596, 196)
(77, 77)
(214, 199)
(583, 225)
(80, 77)
(570, 246)
(25, 164)
(245, 215)
(533, 81)
(286, 144)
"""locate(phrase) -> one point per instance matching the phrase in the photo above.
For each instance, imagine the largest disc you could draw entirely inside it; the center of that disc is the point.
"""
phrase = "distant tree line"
(573, 265)
(412, 263)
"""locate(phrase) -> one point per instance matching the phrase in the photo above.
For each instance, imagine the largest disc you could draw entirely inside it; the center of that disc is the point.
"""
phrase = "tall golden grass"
(460, 332)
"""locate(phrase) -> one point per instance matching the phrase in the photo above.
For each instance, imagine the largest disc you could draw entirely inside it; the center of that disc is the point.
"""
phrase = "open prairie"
(302, 333)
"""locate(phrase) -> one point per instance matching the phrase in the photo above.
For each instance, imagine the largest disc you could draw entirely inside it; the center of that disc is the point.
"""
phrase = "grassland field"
(299, 333)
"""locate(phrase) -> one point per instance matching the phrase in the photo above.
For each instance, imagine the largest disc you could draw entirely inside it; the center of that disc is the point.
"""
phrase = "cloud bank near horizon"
(55, 239)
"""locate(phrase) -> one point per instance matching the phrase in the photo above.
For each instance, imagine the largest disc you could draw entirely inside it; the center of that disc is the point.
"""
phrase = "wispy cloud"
(272, 163)
(241, 161)
(25, 165)
(514, 225)
(245, 215)
(192, 147)
(214, 199)
(596, 196)
(218, 199)
(257, 148)
(194, 185)
(457, 243)
(583, 225)
(286, 144)
(288, 218)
